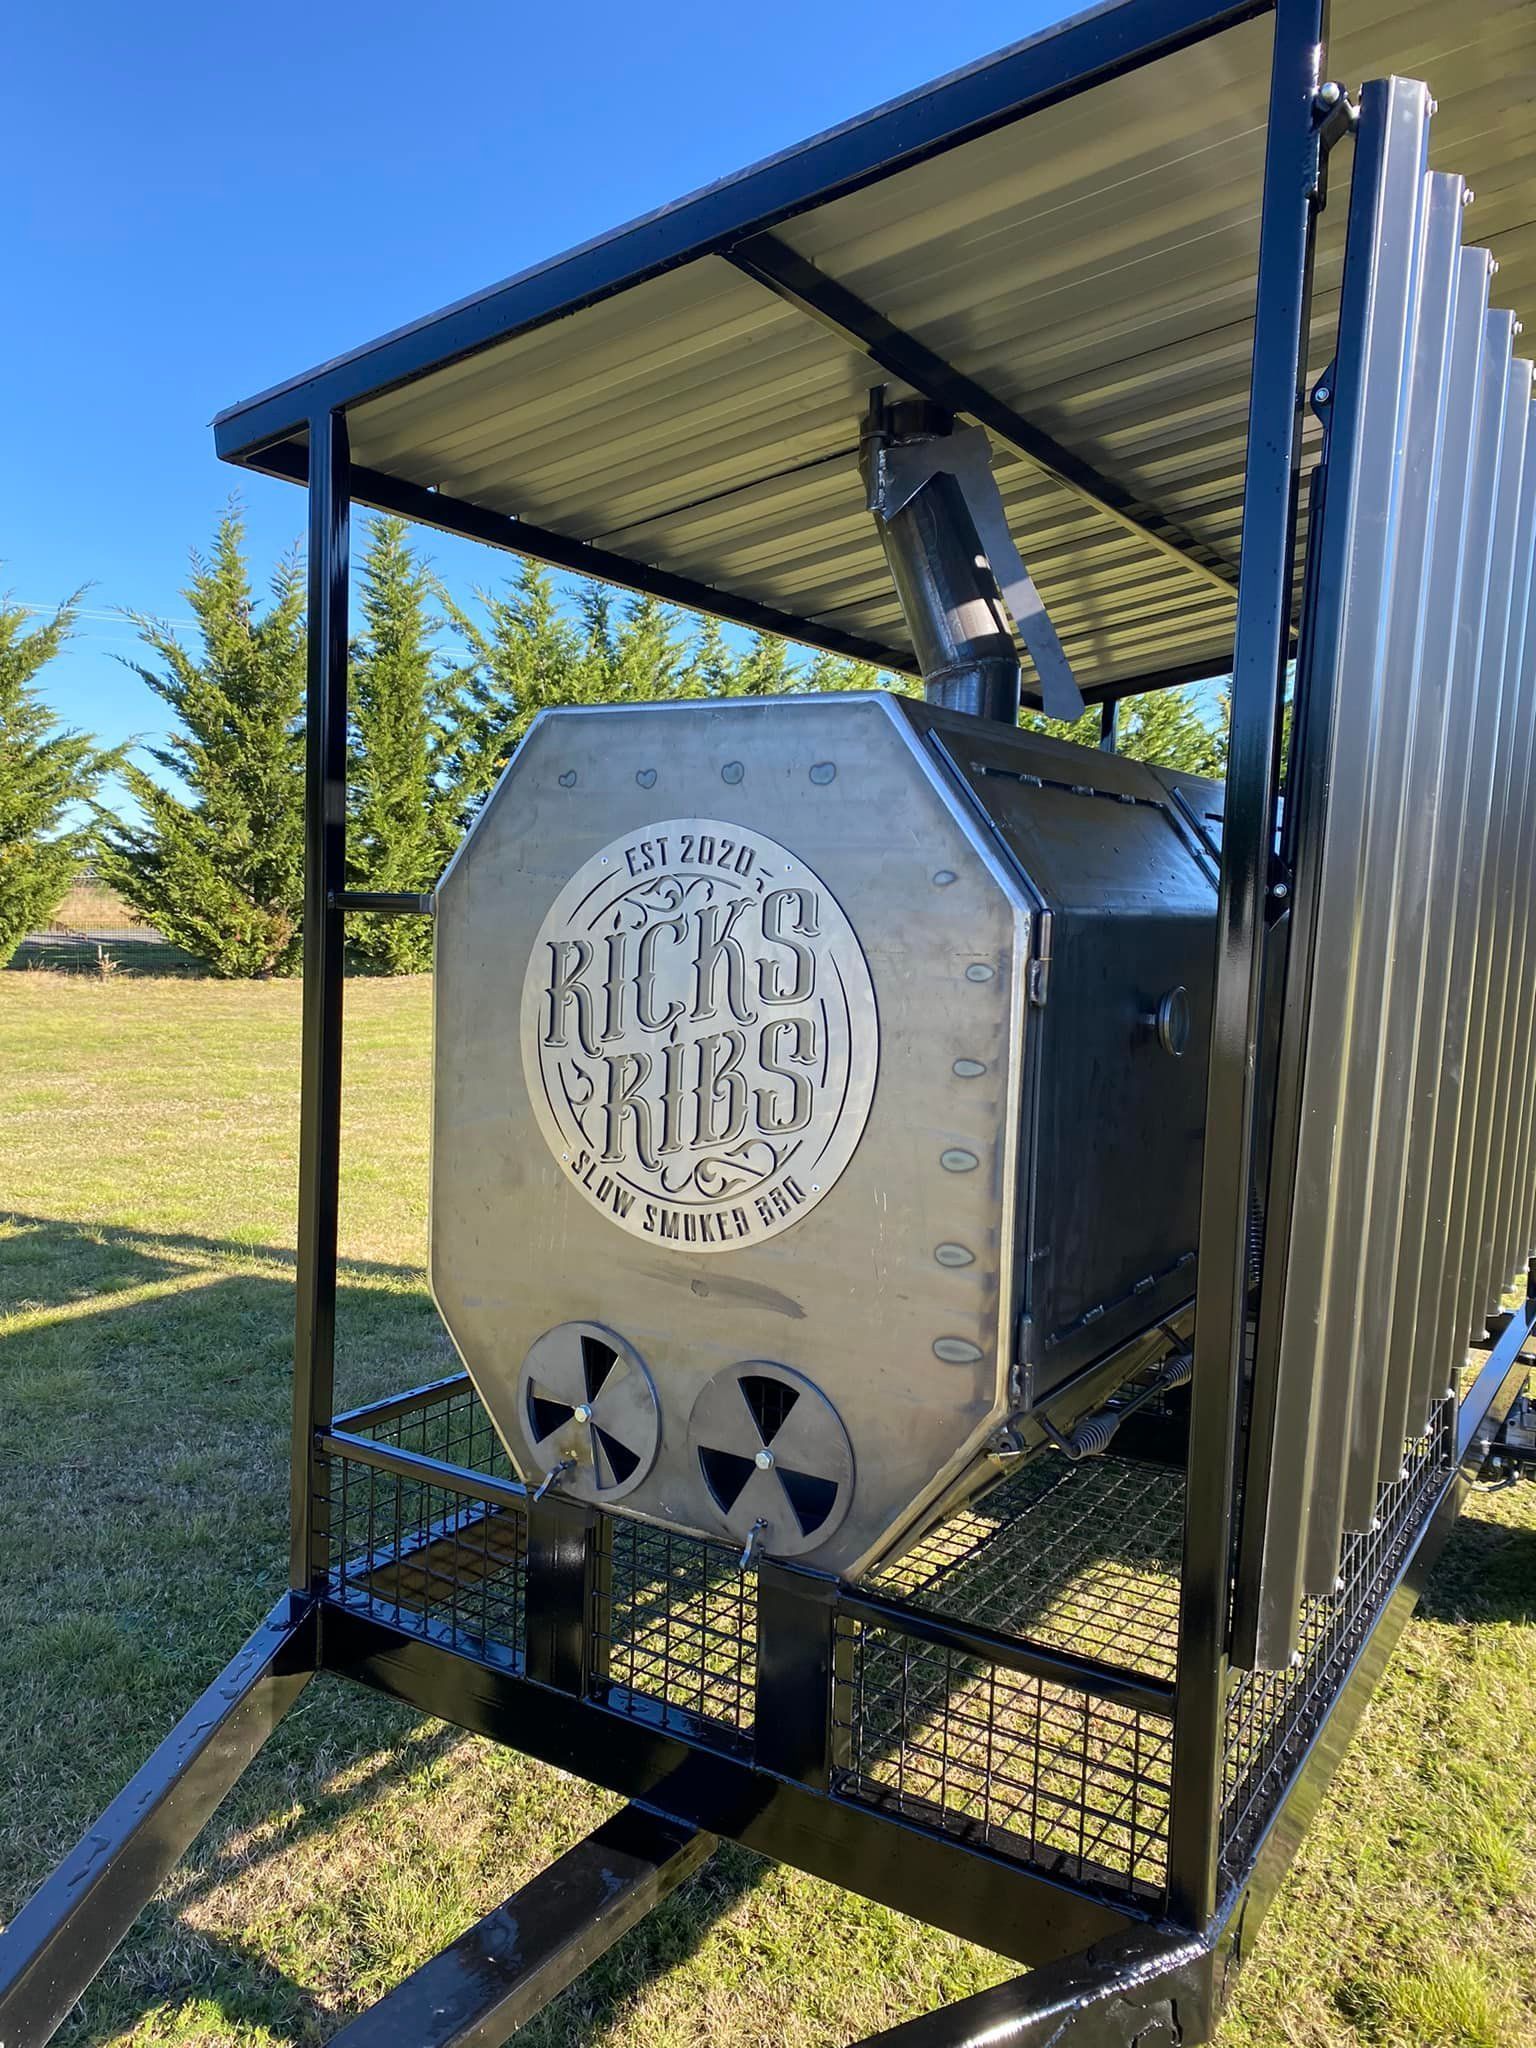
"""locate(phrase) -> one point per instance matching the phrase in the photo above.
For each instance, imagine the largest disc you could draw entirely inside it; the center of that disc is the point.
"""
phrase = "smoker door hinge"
(1040, 965)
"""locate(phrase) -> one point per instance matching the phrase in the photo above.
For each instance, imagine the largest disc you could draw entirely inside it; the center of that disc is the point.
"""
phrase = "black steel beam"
(381, 493)
(1135, 1690)
(508, 1966)
(793, 278)
(382, 902)
(966, 1887)
(1150, 1987)
(69, 1927)
(325, 870)
(1293, 195)
(1019, 81)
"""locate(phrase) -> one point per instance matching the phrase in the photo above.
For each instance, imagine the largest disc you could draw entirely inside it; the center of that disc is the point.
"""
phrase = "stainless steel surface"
(588, 1411)
(810, 1053)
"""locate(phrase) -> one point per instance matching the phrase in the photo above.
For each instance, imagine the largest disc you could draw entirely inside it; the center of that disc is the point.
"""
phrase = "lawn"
(147, 1149)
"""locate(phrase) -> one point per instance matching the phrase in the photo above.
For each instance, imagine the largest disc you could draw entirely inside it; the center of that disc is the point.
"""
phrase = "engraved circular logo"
(699, 1035)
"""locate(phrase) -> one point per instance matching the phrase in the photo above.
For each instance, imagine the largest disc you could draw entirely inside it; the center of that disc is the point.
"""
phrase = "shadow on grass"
(44, 1241)
(158, 1425)
(1486, 1574)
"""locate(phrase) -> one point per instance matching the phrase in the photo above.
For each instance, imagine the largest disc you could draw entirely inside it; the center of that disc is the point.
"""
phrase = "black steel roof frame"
(734, 221)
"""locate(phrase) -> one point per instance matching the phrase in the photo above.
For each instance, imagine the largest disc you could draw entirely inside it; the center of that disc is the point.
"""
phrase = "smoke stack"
(949, 595)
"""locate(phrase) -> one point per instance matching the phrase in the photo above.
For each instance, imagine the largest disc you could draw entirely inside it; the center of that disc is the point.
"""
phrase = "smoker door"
(1117, 1062)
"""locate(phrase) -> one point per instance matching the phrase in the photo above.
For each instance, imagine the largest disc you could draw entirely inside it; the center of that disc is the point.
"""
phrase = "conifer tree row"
(440, 696)
(45, 770)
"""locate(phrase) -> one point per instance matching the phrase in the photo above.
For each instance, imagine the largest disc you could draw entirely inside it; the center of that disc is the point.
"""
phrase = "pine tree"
(220, 870)
(1162, 726)
(526, 657)
(401, 825)
(44, 769)
(842, 672)
(765, 669)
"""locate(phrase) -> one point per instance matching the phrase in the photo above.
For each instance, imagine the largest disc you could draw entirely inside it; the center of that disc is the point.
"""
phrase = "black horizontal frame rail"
(374, 1412)
(505, 1969)
(60, 1939)
(965, 1886)
(1134, 1689)
(501, 1493)
(381, 493)
(793, 278)
(1157, 1983)
(383, 902)
(1032, 75)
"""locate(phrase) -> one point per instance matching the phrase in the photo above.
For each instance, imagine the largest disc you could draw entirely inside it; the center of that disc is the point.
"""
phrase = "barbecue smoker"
(848, 1035)
(984, 1269)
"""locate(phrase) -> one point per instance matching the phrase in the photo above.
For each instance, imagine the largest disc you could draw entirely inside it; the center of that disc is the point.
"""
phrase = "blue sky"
(205, 199)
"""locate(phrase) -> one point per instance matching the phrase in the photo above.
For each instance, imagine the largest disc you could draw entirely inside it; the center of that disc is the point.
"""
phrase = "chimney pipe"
(953, 608)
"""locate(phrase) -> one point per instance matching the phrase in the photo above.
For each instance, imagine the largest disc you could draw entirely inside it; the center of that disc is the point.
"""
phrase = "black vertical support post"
(1109, 716)
(325, 852)
(792, 1718)
(1266, 600)
(568, 1572)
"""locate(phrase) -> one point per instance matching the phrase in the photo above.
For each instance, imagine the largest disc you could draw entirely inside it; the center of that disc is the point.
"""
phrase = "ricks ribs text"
(699, 1034)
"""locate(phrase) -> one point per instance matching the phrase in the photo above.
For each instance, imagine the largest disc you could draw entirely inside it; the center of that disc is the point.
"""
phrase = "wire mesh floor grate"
(1078, 1559)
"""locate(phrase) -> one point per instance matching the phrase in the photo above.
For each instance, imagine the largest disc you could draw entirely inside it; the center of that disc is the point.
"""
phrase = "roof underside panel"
(1091, 268)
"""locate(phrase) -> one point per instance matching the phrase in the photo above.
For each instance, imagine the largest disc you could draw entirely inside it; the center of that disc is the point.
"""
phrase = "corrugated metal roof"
(1091, 266)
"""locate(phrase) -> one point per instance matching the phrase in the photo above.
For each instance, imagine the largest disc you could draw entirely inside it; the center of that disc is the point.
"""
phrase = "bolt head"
(1322, 394)
(583, 1413)
(764, 1460)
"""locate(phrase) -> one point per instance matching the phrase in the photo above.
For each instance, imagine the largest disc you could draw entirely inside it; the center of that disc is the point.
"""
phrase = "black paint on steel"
(325, 867)
(791, 277)
(382, 902)
(1108, 717)
(374, 1412)
(62, 1936)
(506, 1968)
(362, 1450)
(381, 493)
(964, 1886)
(1293, 194)
(1065, 61)
(565, 1544)
(1150, 1987)
(1135, 1690)
(792, 1717)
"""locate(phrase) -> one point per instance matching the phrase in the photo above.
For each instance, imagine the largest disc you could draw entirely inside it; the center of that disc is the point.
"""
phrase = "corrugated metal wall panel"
(1407, 817)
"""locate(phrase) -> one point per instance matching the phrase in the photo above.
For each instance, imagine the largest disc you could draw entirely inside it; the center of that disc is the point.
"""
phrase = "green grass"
(147, 1134)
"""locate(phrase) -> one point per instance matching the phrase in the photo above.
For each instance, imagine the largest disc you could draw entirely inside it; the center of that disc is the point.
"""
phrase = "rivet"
(1321, 395)
(732, 772)
(978, 971)
(824, 771)
(968, 1070)
(957, 1351)
(944, 877)
(957, 1160)
(954, 1255)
